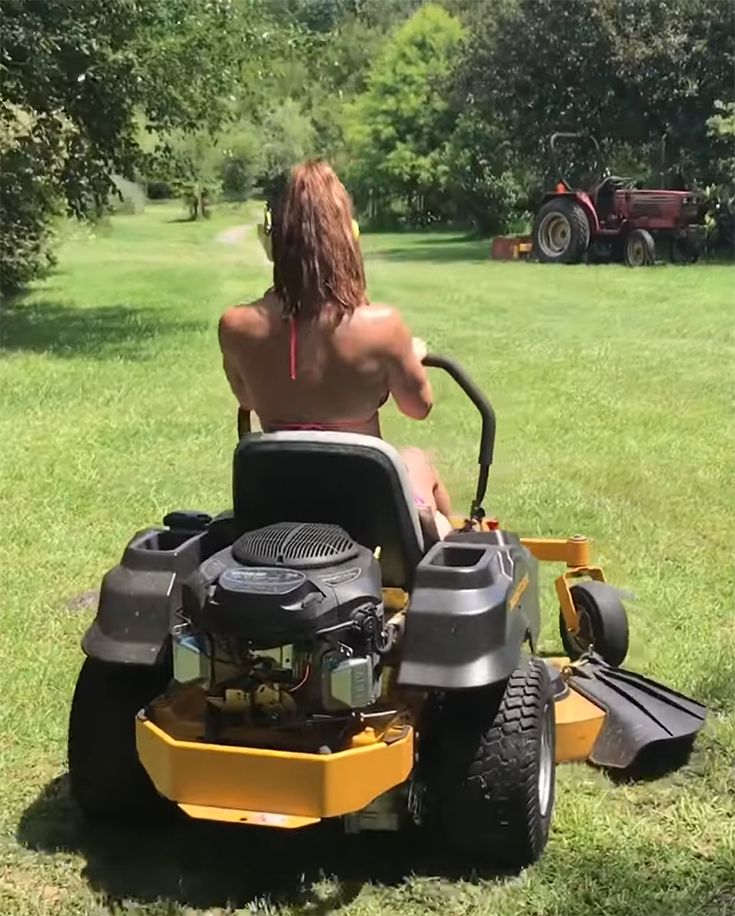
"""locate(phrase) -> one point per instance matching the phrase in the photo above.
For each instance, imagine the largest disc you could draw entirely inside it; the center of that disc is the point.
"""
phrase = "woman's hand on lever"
(419, 348)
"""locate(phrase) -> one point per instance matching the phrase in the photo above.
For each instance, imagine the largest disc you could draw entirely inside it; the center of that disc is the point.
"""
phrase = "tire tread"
(487, 771)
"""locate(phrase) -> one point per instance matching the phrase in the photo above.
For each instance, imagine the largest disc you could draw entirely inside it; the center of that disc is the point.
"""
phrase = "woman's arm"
(407, 379)
(227, 342)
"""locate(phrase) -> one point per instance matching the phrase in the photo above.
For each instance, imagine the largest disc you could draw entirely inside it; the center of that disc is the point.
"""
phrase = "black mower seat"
(357, 482)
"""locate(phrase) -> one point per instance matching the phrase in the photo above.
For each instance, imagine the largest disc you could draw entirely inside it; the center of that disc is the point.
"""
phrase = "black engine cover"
(282, 598)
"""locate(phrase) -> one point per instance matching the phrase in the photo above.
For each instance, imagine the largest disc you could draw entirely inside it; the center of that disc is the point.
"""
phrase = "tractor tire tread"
(580, 226)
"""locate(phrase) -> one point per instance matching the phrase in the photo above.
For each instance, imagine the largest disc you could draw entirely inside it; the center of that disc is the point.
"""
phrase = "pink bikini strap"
(292, 347)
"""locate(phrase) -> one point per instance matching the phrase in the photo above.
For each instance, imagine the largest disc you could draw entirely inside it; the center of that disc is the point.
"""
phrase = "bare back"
(344, 367)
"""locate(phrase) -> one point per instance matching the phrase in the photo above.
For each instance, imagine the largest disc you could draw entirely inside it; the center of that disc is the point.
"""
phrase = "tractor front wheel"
(561, 232)
(491, 768)
(640, 248)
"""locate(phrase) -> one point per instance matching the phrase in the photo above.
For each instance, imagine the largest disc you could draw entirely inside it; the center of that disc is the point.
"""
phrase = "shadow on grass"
(202, 864)
(98, 333)
(655, 761)
(318, 871)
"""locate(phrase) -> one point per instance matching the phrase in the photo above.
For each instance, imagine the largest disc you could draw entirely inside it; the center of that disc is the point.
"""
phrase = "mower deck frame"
(251, 785)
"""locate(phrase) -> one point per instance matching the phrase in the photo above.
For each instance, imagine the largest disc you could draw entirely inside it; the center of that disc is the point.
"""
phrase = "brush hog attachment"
(640, 714)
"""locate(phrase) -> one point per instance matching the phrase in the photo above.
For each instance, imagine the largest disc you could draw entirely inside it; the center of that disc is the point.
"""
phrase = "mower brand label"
(342, 577)
(261, 581)
(515, 598)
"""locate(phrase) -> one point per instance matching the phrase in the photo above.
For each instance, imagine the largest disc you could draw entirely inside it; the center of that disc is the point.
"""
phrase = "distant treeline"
(433, 113)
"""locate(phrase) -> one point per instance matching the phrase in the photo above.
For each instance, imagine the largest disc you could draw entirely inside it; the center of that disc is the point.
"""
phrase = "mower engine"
(284, 628)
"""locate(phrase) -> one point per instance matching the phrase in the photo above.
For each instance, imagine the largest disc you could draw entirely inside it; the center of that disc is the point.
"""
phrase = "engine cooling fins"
(308, 545)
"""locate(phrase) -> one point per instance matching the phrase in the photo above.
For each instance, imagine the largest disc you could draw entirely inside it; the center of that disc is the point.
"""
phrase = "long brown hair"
(316, 258)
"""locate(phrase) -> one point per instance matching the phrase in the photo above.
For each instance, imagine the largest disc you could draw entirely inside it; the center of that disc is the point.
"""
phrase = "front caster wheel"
(603, 623)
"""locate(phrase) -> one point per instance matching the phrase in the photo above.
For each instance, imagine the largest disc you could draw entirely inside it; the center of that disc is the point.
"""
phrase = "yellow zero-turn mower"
(317, 652)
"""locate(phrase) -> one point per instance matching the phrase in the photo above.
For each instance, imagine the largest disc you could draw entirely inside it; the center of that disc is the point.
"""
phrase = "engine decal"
(261, 581)
(342, 576)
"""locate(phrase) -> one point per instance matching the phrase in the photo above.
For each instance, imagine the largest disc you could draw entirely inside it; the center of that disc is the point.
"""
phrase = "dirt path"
(242, 235)
(235, 235)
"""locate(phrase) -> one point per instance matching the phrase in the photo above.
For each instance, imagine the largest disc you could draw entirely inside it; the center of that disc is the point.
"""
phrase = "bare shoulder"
(381, 320)
(385, 330)
(241, 321)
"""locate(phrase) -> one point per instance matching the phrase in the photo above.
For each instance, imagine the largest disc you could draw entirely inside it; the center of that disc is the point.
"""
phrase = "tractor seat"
(355, 481)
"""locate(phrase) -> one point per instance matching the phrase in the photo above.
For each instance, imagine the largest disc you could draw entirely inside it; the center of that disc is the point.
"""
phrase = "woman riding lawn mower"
(319, 651)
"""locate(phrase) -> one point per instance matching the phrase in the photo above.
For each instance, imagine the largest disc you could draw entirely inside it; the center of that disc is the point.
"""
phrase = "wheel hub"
(583, 638)
(555, 234)
(638, 252)
(546, 763)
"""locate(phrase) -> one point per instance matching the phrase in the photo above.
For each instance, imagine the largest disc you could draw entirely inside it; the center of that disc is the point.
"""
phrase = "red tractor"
(613, 220)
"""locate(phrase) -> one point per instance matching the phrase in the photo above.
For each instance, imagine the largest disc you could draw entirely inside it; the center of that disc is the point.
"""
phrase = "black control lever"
(487, 433)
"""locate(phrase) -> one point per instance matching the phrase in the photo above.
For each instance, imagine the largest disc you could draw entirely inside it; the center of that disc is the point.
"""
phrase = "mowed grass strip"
(615, 394)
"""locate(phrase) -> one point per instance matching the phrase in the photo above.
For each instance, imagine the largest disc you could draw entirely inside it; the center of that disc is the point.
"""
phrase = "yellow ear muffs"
(265, 230)
(266, 240)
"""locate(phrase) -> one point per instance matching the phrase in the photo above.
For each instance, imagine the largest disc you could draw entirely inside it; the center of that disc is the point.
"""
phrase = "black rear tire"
(603, 623)
(107, 779)
(490, 771)
(640, 248)
(561, 232)
(684, 250)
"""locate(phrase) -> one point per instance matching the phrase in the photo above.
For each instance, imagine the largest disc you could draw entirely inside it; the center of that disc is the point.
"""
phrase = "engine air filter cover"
(296, 545)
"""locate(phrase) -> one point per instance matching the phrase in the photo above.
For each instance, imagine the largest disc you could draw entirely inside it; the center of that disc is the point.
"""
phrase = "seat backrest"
(355, 481)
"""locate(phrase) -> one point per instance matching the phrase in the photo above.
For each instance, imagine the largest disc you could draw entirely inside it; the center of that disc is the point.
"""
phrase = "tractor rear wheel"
(491, 768)
(561, 232)
(640, 248)
(684, 250)
(107, 779)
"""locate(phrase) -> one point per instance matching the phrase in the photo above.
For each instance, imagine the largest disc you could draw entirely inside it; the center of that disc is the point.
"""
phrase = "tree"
(78, 71)
(721, 194)
(242, 161)
(558, 77)
(397, 130)
(31, 164)
(288, 137)
(627, 71)
(486, 179)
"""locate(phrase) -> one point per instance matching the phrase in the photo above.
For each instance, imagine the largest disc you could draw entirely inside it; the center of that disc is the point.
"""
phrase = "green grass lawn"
(615, 394)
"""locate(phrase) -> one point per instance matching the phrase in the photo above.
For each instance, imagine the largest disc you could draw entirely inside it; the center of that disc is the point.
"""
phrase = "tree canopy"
(76, 74)
(399, 127)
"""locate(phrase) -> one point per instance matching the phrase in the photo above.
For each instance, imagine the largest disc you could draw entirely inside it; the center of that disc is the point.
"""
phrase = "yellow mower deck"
(277, 788)
(290, 790)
